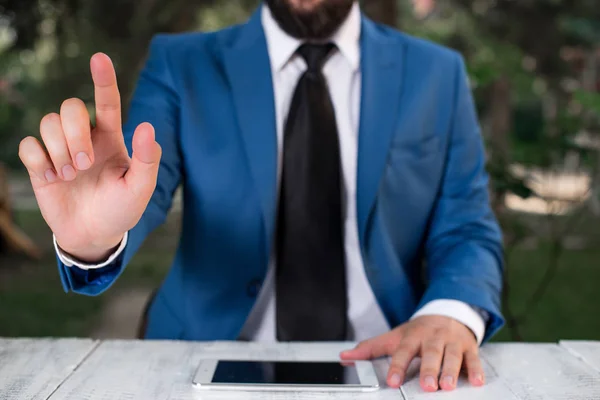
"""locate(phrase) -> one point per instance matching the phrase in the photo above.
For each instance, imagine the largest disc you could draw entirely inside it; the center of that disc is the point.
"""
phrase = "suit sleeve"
(464, 247)
(154, 101)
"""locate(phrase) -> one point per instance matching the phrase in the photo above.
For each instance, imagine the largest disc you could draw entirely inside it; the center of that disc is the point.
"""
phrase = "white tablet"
(261, 375)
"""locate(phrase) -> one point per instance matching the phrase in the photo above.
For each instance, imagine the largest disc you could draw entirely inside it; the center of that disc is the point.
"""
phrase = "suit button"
(253, 287)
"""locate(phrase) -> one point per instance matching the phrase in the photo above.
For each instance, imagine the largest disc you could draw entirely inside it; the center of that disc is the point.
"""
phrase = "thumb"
(372, 348)
(145, 160)
(361, 352)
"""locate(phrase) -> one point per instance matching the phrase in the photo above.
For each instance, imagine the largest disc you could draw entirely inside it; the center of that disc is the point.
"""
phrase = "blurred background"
(535, 72)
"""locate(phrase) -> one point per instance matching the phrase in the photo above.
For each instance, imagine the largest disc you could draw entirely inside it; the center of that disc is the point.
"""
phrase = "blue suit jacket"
(422, 192)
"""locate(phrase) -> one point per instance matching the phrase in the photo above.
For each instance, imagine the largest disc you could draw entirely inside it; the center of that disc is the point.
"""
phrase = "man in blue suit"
(324, 160)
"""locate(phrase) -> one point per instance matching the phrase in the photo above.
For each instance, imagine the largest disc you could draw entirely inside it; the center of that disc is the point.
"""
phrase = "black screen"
(308, 373)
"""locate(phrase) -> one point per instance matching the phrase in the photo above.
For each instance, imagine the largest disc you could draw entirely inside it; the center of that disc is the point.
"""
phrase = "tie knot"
(315, 55)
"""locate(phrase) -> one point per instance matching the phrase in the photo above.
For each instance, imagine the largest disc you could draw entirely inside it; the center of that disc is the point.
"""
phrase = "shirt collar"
(282, 46)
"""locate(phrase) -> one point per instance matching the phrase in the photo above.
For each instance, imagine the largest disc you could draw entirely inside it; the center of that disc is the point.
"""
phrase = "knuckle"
(474, 367)
(23, 150)
(472, 350)
(391, 345)
(435, 352)
(405, 347)
(33, 160)
(452, 362)
(24, 143)
(50, 133)
(400, 362)
(451, 351)
(430, 370)
(416, 328)
(442, 333)
(452, 354)
(37, 162)
(26, 146)
(435, 345)
(452, 371)
(472, 358)
(476, 370)
(363, 345)
(72, 103)
(49, 119)
(108, 107)
(75, 135)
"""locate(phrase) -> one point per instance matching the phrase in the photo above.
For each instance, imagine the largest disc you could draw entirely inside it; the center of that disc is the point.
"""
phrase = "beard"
(319, 23)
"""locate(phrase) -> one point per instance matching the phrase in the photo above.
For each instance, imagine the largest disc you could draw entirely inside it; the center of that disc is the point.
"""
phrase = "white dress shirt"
(342, 71)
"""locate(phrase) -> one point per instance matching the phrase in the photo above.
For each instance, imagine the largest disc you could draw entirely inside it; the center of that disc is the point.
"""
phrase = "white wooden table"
(83, 369)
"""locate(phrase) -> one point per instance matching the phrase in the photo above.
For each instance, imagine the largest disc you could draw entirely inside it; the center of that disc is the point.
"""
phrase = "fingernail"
(83, 161)
(50, 176)
(429, 382)
(68, 173)
(395, 380)
(479, 379)
(347, 353)
(448, 381)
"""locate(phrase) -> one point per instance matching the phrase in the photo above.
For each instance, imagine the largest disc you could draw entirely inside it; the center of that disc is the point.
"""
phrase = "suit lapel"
(246, 55)
(247, 66)
(381, 61)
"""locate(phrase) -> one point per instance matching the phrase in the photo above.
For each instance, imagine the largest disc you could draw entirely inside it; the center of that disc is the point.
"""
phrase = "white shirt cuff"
(472, 318)
(69, 261)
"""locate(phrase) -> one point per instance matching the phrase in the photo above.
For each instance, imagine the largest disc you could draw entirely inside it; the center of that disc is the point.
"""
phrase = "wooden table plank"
(542, 371)
(70, 369)
(521, 371)
(588, 352)
(33, 369)
(163, 370)
(494, 389)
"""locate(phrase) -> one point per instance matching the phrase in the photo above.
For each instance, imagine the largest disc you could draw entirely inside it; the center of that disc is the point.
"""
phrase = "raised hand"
(89, 190)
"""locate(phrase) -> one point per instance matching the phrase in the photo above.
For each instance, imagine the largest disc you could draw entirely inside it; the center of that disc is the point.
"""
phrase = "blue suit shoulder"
(179, 44)
(423, 49)
(181, 41)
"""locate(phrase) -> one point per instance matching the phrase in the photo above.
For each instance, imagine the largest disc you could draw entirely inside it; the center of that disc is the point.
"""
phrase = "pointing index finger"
(108, 99)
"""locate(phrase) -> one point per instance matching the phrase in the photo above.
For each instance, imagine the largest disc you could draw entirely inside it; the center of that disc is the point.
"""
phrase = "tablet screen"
(268, 372)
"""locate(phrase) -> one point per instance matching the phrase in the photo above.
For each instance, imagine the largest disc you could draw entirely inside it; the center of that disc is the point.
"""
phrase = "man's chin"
(310, 19)
(304, 6)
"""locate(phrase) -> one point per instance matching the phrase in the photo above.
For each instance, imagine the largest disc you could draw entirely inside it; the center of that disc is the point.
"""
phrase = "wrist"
(95, 253)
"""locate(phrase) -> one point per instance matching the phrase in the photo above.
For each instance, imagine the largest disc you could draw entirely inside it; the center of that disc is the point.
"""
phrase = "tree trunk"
(500, 126)
(11, 237)
(383, 11)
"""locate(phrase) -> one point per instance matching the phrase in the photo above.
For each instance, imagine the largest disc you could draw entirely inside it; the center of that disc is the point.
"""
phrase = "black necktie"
(311, 298)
